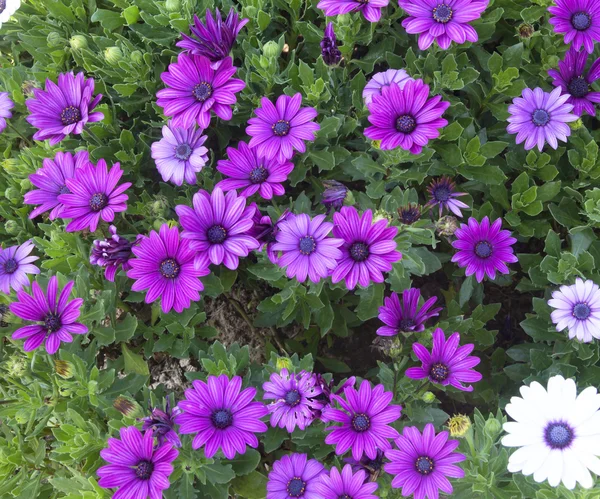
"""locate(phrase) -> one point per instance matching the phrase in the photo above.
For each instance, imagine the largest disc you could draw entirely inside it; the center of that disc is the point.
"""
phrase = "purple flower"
(406, 316)
(409, 214)
(196, 89)
(253, 173)
(15, 264)
(51, 179)
(112, 252)
(222, 416)
(62, 109)
(306, 249)
(405, 117)
(365, 419)
(579, 20)
(213, 40)
(572, 80)
(384, 80)
(371, 9)
(93, 193)
(162, 424)
(6, 104)
(265, 231)
(217, 228)
(164, 265)
(136, 467)
(327, 390)
(345, 485)
(294, 399)
(278, 130)
(447, 364)
(180, 154)
(443, 195)
(293, 476)
(57, 317)
(369, 248)
(442, 21)
(483, 248)
(423, 462)
(539, 117)
(334, 194)
(329, 50)
(372, 467)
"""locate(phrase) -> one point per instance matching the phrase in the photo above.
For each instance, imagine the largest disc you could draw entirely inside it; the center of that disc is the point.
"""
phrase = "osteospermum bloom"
(405, 117)
(180, 154)
(406, 316)
(136, 467)
(279, 129)
(383, 80)
(222, 415)
(371, 9)
(573, 80)
(423, 462)
(577, 309)
(15, 265)
(6, 104)
(162, 424)
(306, 249)
(483, 249)
(327, 390)
(111, 253)
(329, 50)
(194, 89)
(7, 9)
(365, 416)
(62, 109)
(579, 20)
(369, 248)
(557, 432)
(345, 485)
(164, 265)
(538, 117)
(56, 313)
(443, 195)
(252, 173)
(447, 364)
(293, 476)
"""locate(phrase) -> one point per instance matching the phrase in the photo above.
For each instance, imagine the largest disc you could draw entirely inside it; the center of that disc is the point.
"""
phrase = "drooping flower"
(579, 20)
(383, 80)
(194, 89)
(180, 154)
(215, 39)
(577, 309)
(409, 214)
(306, 249)
(15, 264)
(345, 485)
(334, 195)
(279, 129)
(112, 253)
(372, 467)
(265, 232)
(483, 249)
(295, 476)
(223, 416)
(369, 248)
(164, 265)
(327, 390)
(573, 80)
(405, 117)
(252, 173)
(51, 180)
(329, 50)
(57, 316)
(557, 433)
(423, 462)
(371, 9)
(442, 21)
(162, 424)
(443, 195)
(446, 226)
(136, 467)
(6, 104)
(7, 9)
(217, 228)
(538, 117)
(62, 109)
(447, 364)
(405, 316)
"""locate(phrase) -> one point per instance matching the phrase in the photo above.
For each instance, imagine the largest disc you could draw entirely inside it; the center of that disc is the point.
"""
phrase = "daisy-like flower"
(279, 129)
(369, 248)
(538, 117)
(180, 154)
(406, 316)
(111, 253)
(371, 9)
(329, 50)
(447, 364)
(372, 467)
(405, 117)
(248, 171)
(56, 313)
(557, 432)
(345, 485)
(483, 249)
(222, 414)
(327, 390)
(423, 462)
(579, 20)
(137, 468)
(7, 9)
(365, 416)
(334, 195)
(443, 195)
(15, 264)
(577, 309)
(162, 424)
(294, 476)
(62, 109)
(194, 89)
(573, 80)
(164, 265)
(384, 80)
(306, 249)
(217, 228)
(6, 104)
(442, 21)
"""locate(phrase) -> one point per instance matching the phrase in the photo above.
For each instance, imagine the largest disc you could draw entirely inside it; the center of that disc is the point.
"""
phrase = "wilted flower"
(409, 214)
(446, 226)
(526, 30)
(329, 50)
(458, 425)
(63, 368)
(406, 316)
(334, 194)
(443, 195)
(162, 424)
(111, 253)
(125, 406)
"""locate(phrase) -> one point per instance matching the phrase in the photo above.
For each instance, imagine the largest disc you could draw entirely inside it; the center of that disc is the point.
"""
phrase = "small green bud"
(16, 366)
(428, 397)
(382, 215)
(395, 348)
(271, 49)
(136, 57)
(78, 42)
(54, 39)
(172, 5)
(11, 227)
(264, 62)
(492, 427)
(12, 194)
(63, 368)
(576, 125)
(113, 55)
(526, 30)
(284, 363)
(127, 406)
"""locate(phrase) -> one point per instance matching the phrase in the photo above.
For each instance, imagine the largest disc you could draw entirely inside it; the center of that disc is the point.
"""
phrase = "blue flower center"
(52, 323)
(578, 87)
(581, 311)
(307, 245)
(581, 21)
(406, 325)
(540, 117)
(70, 115)
(405, 123)
(361, 422)
(296, 487)
(258, 175)
(281, 128)
(442, 193)
(64, 190)
(10, 266)
(439, 372)
(216, 234)
(442, 13)
(483, 249)
(202, 91)
(169, 268)
(98, 201)
(221, 419)
(292, 398)
(359, 252)
(424, 465)
(558, 435)
(144, 470)
(183, 152)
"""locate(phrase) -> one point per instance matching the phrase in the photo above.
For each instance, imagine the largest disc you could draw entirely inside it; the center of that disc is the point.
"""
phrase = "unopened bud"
(428, 397)
(113, 55)
(63, 368)
(271, 49)
(78, 42)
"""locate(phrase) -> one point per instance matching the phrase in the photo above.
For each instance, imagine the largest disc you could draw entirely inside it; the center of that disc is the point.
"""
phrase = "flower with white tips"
(7, 9)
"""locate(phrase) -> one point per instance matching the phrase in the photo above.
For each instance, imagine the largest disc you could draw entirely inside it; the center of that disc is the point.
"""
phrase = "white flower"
(557, 432)
(7, 9)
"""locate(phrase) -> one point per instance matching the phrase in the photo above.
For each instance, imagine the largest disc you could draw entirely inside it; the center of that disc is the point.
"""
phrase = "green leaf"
(134, 363)
(492, 149)
(243, 464)
(251, 486)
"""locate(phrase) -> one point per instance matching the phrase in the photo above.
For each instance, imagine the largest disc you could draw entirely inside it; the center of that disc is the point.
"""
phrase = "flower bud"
(284, 363)
(78, 42)
(493, 427)
(395, 348)
(271, 49)
(113, 55)
(382, 215)
(13, 194)
(428, 397)
(63, 368)
(458, 425)
(54, 39)
(136, 57)
(577, 124)
(446, 226)
(127, 407)
(16, 366)
(408, 215)
(526, 30)
(12, 227)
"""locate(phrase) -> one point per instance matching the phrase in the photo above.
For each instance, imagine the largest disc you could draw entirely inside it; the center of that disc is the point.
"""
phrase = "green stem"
(12, 127)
